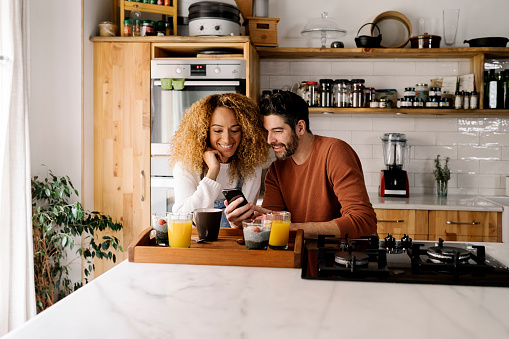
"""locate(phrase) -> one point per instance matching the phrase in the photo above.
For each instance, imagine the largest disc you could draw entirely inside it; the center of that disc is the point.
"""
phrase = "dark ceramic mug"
(207, 222)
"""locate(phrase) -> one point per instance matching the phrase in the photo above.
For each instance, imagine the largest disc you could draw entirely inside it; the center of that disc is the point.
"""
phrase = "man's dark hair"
(288, 105)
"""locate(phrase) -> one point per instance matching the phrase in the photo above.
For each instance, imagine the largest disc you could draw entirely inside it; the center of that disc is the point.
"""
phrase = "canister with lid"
(357, 92)
(342, 91)
(326, 92)
(313, 93)
(147, 28)
(383, 103)
(421, 91)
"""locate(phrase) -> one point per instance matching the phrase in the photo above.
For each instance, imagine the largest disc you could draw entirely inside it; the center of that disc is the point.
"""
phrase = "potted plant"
(442, 176)
(56, 224)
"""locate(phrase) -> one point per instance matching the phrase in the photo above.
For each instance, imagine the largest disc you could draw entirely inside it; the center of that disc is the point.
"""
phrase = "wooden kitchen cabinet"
(401, 222)
(465, 226)
(122, 103)
(448, 225)
(122, 138)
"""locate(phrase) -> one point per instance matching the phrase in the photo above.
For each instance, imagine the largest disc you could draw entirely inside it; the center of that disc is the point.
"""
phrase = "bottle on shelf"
(458, 100)
(492, 90)
(473, 100)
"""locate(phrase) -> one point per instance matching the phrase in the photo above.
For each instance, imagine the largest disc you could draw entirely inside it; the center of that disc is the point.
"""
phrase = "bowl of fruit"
(257, 234)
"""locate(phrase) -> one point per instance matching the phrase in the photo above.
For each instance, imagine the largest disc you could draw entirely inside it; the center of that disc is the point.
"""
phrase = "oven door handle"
(205, 83)
(462, 223)
(399, 220)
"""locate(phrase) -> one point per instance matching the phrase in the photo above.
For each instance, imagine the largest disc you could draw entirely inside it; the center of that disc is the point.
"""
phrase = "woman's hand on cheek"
(212, 159)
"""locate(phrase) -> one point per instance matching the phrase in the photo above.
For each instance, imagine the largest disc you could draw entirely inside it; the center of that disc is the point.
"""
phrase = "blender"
(393, 179)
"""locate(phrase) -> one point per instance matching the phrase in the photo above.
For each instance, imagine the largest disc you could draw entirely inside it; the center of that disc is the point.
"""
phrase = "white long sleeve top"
(192, 192)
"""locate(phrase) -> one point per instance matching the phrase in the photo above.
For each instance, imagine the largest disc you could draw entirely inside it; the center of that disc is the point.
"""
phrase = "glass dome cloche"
(323, 28)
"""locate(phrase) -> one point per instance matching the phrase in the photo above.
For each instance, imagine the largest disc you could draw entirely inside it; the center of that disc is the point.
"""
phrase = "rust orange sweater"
(329, 185)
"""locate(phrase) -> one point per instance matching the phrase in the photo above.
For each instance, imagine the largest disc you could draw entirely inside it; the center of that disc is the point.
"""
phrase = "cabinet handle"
(142, 176)
(462, 223)
(391, 220)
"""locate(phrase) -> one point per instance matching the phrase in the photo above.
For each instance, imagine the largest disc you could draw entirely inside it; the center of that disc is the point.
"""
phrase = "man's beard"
(290, 148)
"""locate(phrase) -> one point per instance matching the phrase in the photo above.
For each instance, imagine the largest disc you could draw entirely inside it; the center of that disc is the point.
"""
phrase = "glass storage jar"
(313, 93)
(357, 92)
(342, 92)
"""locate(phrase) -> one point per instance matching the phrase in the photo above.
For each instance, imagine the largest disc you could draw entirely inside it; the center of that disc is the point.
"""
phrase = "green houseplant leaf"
(57, 222)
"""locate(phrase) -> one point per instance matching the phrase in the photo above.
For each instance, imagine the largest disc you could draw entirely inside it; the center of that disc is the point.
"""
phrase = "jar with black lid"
(444, 103)
(369, 95)
(147, 28)
(313, 93)
(326, 95)
(418, 102)
(432, 102)
(357, 92)
(342, 90)
(409, 92)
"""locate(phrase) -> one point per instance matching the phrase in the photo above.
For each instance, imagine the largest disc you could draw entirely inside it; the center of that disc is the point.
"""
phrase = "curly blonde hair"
(192, 136)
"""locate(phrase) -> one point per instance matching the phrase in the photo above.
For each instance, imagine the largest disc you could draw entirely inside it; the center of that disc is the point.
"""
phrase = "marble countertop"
(138, 300)
(432, 202)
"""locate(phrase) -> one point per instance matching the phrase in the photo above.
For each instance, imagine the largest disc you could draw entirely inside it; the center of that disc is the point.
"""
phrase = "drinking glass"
(280, 231)
(256, 234)
(451, 17)
(180, 226)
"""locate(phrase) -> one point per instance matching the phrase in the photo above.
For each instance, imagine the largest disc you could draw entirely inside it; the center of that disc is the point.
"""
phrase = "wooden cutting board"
(226, 251)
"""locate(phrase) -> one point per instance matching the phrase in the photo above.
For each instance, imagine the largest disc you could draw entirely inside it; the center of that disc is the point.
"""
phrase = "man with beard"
(318, 179)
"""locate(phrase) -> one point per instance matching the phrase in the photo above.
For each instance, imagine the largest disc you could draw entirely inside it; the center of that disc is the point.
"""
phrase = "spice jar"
(369, 95)
(326, 92)
(128, 27)
(444, 103)
(382, 103)
(418, 102)
(422, 91)
(136, 28)
(147, 28)
(458, 100)
(357, 92)
(473, 100)
(374, 103)
(160, 28)
(342, 92)
(466, 100)
(313, 93)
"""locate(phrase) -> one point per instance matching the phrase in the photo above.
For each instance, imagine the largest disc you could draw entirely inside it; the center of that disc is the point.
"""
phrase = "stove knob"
(201, 28)
(217, 70)
(217, 27)
(390, 241)
(178, 70)
(406, 241)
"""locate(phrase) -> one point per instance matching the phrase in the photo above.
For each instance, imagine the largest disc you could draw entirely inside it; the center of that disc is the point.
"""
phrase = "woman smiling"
(219, 144)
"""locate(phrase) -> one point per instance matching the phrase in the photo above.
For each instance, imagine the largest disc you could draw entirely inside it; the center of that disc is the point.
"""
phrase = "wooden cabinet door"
(401, 222)
(122, 138)
(465, 226)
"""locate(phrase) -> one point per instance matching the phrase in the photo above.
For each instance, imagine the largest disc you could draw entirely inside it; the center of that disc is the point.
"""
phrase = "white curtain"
(17, 291)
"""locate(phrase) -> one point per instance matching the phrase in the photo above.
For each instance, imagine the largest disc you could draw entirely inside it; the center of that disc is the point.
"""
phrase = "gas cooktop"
(402, 261)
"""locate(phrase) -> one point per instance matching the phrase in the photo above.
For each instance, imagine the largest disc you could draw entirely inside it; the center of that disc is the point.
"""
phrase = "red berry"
(162, 221)
(256, 229)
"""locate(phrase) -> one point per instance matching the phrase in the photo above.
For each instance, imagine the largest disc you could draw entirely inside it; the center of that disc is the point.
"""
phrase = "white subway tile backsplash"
(479, 153)
(495, 167)
(393, 124)
(478, 146)
(350, 124)
(457, 139)
(494, 139)
(310, 69)
(436, 124)
(351, 68)
(393, 68)
(274, 68)
(478, 180)
(444, 68)
(431, 152)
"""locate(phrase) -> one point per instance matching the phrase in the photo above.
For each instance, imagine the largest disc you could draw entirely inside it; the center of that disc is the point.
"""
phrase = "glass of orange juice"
(179, 229)
(280, 229)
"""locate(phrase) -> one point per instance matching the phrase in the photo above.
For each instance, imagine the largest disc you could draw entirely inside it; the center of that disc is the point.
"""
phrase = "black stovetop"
(402, 261)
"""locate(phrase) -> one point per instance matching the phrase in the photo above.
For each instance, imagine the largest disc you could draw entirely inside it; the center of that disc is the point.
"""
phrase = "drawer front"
(465, 226)
(401, 222)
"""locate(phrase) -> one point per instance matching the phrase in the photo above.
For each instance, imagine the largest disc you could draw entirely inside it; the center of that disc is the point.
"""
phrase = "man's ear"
(300, 129)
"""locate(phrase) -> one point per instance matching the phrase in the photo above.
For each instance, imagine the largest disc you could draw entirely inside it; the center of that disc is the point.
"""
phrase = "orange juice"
(279, 234)
(179, 233)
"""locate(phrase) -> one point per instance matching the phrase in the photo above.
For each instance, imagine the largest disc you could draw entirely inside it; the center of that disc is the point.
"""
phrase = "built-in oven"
(176, 85)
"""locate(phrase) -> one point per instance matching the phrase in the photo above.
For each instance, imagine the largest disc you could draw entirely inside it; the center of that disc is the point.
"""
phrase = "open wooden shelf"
(424, 111)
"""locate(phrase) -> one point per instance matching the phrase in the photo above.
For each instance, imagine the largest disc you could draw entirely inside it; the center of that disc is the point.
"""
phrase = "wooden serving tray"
(226, 251)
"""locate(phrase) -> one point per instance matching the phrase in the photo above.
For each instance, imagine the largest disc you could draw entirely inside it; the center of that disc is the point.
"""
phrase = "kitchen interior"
(475, 139)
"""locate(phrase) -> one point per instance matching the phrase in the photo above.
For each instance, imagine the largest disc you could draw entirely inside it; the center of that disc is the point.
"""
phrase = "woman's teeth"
(226, 146)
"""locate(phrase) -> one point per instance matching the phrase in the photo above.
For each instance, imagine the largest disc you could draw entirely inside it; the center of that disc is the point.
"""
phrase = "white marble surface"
(136, 300)
(432, 202)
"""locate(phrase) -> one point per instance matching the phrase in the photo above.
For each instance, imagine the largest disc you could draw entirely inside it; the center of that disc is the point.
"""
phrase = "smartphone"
(232, 194)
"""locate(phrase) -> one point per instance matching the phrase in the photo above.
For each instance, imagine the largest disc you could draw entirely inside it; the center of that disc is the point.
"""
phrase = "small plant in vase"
(442, 175)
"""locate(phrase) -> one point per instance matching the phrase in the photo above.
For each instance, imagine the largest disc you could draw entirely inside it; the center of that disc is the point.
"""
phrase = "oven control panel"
(199, 69)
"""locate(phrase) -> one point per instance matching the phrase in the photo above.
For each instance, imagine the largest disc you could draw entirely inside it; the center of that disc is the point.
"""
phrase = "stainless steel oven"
(176, 85)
